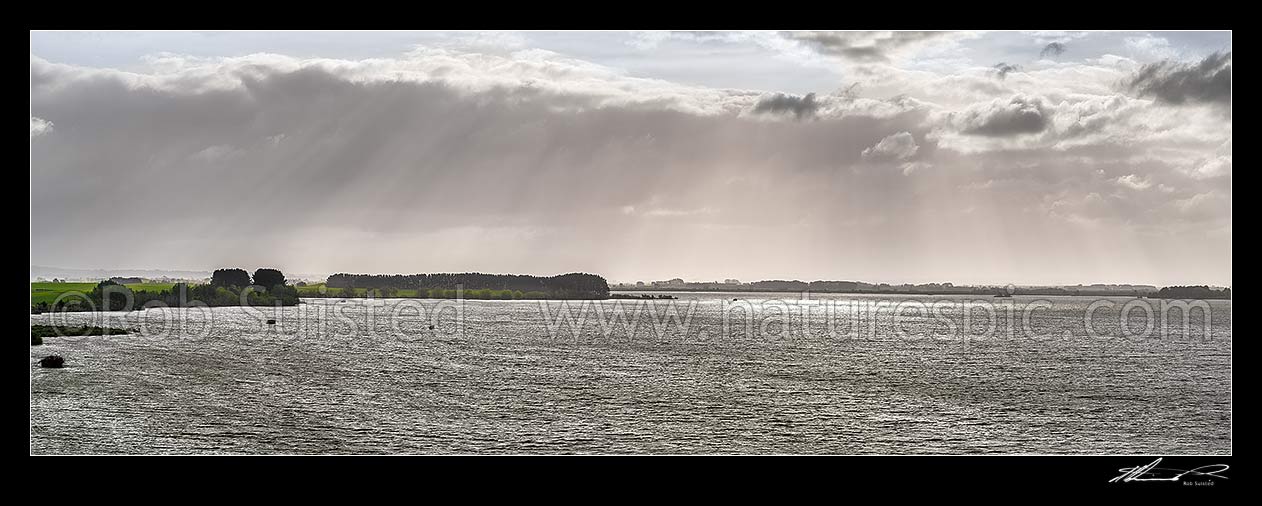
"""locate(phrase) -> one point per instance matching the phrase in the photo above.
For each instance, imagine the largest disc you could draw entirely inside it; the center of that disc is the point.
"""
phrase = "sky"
(901, 157)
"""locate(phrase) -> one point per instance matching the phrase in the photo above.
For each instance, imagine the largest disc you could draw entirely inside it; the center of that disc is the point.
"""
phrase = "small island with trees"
(471, 285)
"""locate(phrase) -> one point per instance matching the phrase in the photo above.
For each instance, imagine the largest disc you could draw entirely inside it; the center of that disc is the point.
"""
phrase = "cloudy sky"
(1022, 157)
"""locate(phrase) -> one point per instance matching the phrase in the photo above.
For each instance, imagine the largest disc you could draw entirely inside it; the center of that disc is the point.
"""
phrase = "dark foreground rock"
(52, 361)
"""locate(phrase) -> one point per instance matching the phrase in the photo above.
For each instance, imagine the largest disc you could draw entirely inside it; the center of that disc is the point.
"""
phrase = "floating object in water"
(431, 327)
(271, 322)
(52, 361)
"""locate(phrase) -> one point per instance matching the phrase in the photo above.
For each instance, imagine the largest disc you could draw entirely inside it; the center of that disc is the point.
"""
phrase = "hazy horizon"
(1032, 158)
(207, 272)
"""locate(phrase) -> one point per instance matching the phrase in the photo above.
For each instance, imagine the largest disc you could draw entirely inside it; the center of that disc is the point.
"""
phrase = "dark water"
(889, 380)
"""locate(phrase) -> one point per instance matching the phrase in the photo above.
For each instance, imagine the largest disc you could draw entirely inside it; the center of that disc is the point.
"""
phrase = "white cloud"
(1205, 205)
(1112, 60)
(1044, 37)
(646, 40)
(219, 153)
(1134, 182)
(899, 146)
(488, 40)
(911, 167)
(1150, 47)
(1211, 168)
(672, 213)
(40, 127)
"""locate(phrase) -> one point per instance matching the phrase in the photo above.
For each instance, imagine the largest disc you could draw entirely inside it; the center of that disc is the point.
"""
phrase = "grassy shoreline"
(110, 296)
(39, 332)
(49, 291)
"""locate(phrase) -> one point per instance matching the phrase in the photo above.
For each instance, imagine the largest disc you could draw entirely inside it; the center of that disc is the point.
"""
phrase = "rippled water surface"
(516, 380)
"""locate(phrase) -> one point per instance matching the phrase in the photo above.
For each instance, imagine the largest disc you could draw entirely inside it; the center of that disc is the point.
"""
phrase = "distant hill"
(1098, 289)
(41, 271)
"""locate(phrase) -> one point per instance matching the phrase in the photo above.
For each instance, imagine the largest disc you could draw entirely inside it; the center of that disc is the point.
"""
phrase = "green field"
(48, 292)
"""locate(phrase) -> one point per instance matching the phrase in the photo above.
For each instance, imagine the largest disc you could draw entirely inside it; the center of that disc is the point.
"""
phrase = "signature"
(1151, 472)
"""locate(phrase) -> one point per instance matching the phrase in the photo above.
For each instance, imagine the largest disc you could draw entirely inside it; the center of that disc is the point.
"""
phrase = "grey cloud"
(401, 159)
(864, 47)
(1052, 49)
(1020, 115)
(1002, 69)
(800, 107)
(1063, 181)
(1172, 82)
(414, 176)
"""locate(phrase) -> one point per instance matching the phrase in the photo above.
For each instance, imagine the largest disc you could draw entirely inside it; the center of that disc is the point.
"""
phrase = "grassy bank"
(48, 291)
(110, 296)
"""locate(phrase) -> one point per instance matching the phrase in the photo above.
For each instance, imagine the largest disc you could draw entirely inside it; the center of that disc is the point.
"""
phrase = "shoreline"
(934, 294)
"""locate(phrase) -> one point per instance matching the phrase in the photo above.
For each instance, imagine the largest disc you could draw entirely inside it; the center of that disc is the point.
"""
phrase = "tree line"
(390, 292)
(1192, 292)
(565, 286)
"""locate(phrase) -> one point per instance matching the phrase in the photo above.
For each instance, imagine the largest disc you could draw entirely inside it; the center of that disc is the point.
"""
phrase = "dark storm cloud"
(1052, 49)
(1172, 82)
(1002, 69)
(432, 153)
(863, 47)
(1019, 115)
(800, 107)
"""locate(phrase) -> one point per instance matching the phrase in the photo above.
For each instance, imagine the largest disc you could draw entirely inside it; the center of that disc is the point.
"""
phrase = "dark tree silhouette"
(268, 278)
(230, 277)
(111, 296)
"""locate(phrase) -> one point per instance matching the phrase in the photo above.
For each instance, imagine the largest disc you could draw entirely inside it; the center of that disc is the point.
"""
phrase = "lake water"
(838, 374)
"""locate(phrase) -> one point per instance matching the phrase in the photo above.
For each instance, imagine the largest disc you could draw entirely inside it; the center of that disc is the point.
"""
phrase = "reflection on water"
(513, 381)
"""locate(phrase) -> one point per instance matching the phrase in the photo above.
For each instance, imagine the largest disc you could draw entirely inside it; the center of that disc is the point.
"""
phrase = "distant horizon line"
(645, 280)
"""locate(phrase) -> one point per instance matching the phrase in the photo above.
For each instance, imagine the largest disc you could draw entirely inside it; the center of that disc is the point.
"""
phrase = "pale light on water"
(515, 382)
